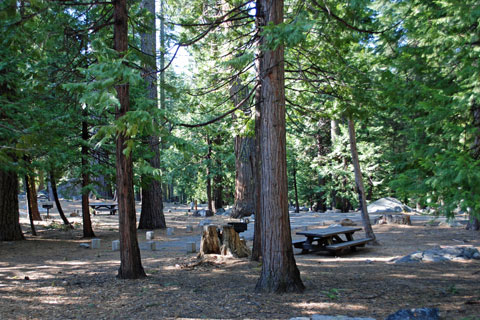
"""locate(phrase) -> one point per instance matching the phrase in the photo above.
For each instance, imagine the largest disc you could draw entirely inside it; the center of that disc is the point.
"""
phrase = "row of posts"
(150, 244)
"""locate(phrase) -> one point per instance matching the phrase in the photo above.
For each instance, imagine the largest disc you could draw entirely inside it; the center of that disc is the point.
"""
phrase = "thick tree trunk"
(244, 177)
(9, 217)
(474, 223)
(279, 270)
(41, 181)
(218, 187)
(244, 202)
(87, 222)
(130, 260)
(53, 184)
(217, 179)
(367, 226)
(29, 205)
(208, 173)
(151, 216)
(257, 235)
(32, 197)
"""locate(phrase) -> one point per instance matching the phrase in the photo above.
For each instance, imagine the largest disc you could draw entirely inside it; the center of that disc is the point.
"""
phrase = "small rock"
(415, 314)
(73, 214)
(26, 278)
(84, 245)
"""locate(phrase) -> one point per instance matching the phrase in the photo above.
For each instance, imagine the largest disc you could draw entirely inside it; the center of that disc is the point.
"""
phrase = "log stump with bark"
(232, 244)
(210, 241)
(226, 243)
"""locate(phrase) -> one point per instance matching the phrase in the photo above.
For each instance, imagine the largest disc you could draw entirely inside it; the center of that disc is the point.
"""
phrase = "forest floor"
(51, 277)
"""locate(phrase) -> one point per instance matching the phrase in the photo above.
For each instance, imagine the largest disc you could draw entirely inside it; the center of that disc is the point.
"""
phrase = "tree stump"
(232, 245)
(210, 241)
(394, 219)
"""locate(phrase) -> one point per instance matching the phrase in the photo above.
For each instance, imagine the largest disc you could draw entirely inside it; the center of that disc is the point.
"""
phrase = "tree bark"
(474, 222)
(32, 197)
(367, 226)
(152, 216)
(10, 229)
(244, 177)
(323, 140)
(231, 243)
(208, 173)
(130, 260)
(210, 242)
(217, 179)
(244, 202)
(257, 232)
(29, 204)
(87, 222)
(53, 185)
(279, 270)
(41, 181)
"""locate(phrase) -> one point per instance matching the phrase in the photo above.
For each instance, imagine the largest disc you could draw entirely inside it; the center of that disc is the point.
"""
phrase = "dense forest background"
(405, 72)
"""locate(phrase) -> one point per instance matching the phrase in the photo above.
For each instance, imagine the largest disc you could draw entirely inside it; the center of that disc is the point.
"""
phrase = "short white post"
(115, 245)
(95, 243)
(150, 235)
(191, 247)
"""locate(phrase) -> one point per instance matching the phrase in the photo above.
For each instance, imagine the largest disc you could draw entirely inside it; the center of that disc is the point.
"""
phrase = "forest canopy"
(406, 72)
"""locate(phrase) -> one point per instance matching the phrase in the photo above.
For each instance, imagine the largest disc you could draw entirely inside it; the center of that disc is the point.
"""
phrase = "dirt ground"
(51, 277)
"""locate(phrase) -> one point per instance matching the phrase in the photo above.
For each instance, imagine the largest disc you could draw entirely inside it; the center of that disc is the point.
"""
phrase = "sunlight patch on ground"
(316, 306)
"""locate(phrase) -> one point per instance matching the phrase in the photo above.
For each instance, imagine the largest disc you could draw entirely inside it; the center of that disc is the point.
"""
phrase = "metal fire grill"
(238, 226)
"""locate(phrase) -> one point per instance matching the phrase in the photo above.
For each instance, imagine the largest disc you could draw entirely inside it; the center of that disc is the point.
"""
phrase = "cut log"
(210, 241)
(232, 244)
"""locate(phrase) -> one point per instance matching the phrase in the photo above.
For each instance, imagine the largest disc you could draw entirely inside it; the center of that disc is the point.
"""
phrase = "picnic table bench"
(329, 239)
(104, 206)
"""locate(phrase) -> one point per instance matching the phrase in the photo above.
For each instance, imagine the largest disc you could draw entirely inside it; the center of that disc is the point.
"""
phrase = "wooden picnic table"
(105, 206)
(329, 239)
